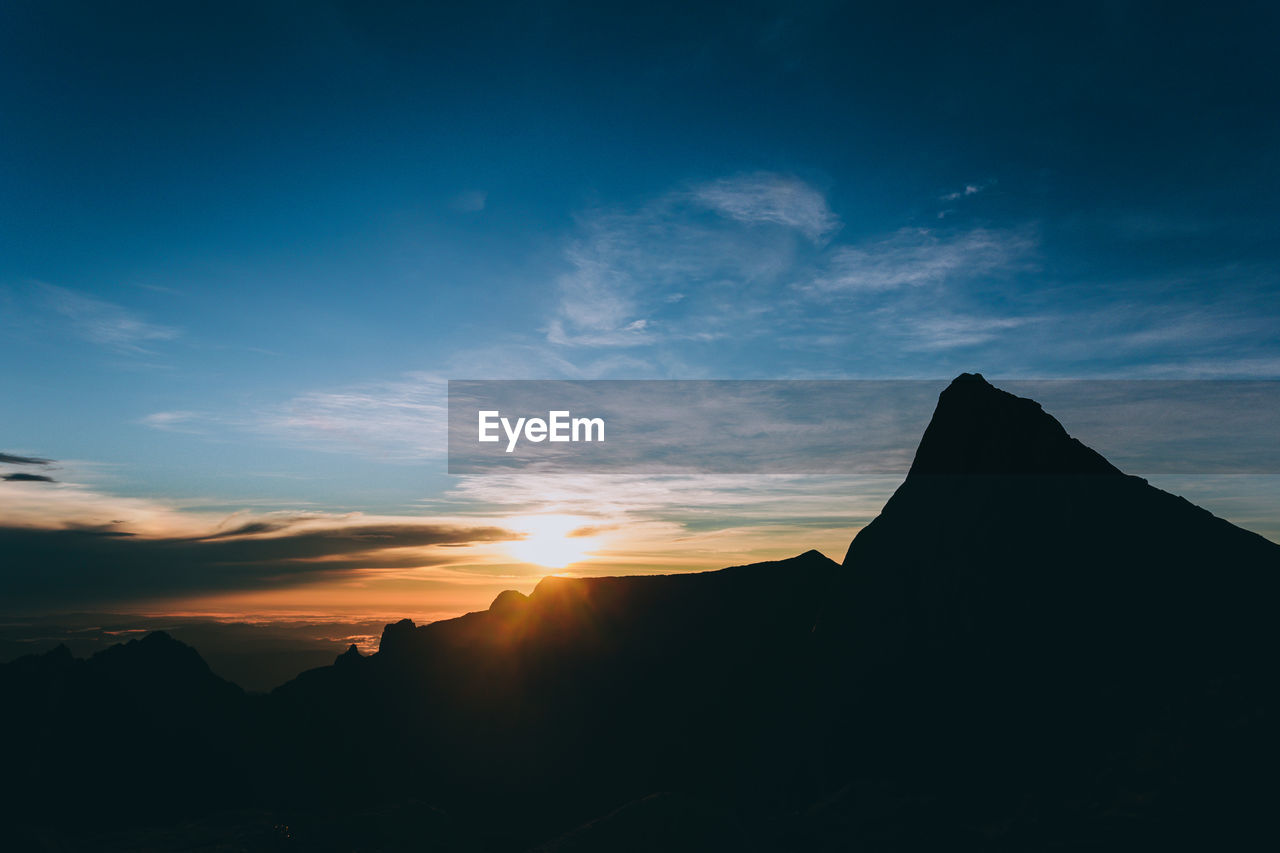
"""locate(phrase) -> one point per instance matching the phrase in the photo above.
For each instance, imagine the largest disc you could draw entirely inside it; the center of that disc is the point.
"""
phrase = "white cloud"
(764, 197)
(106, 323)
(939, 333)
(175, 421)
(404, 418)
(912, 257)
(599, 298)
(969, 189)
(665, 272)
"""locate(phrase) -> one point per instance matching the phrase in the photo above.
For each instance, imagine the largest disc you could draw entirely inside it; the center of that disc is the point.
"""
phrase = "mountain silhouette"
(1008, 527)
(1025, 627)
(142, 731)
(1027, 649)
(583, 695)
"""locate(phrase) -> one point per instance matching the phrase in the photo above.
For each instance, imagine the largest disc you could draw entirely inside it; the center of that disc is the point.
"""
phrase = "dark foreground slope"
(1027, 650)
(493, 731)
(585, 694)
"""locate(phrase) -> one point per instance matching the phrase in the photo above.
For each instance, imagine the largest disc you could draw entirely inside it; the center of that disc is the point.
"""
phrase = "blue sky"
(243, 245)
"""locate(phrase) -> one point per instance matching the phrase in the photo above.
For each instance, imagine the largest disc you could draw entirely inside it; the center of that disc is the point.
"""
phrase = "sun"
(552, 541)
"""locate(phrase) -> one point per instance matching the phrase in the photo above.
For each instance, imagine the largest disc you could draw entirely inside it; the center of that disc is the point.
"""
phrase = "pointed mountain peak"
(1037, 536)
(156, 649)
(979, 429)
(351, 655)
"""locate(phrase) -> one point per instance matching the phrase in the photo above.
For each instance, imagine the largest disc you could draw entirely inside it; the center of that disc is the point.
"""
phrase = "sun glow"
(553, 541)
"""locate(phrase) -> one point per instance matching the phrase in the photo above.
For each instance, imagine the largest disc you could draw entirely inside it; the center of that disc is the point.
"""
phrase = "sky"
(244, 247)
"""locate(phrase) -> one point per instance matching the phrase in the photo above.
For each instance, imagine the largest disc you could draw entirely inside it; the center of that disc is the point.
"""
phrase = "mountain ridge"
(1025, 643)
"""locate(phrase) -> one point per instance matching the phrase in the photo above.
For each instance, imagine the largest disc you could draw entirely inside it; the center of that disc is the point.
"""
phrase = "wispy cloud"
(25, 476)
(599, 299)
(665, 271)
(666, 274)
(176, 421)
(22, 477)
(912, 257)
(940, 333)
(1175, 336)
(402, 418)
(105, 323)
(11, 459)
(765, 197)
(969, 189)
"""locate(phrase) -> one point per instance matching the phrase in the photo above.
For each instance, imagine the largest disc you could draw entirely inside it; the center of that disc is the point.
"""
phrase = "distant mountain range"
(1026, 650)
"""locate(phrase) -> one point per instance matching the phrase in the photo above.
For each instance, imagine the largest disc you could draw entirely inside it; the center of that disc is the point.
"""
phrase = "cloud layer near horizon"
(102, 565)
(66, 544)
